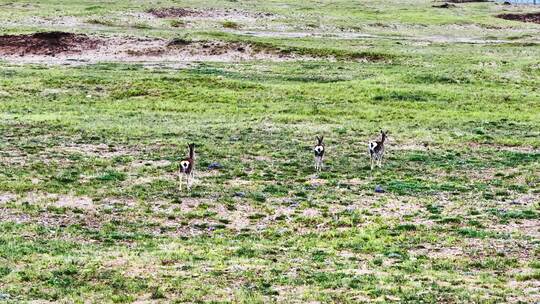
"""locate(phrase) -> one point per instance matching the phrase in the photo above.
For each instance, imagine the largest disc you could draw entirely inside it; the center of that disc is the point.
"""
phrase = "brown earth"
(180, 12)
(467, 1)
(531, 17)
(444, 5)
(47, 43)
(62, 48)
(174, 12)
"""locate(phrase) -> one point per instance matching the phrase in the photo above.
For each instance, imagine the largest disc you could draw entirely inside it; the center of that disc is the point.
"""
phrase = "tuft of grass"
(534, 276)
(177, 23)
(230, 25)
(100, 21)
(111, 175)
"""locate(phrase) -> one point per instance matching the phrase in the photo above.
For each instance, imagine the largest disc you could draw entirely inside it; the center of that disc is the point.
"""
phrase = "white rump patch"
(184, 164)
(319, 149)
(372, 145)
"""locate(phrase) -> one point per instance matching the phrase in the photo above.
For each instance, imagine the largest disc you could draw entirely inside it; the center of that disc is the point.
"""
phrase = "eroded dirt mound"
(207, 51)
(46, 43)
(180, 12)
(69, 48)
(531, 17)
(444, 5)
(213, 48)
(174, 12)
(467, 1)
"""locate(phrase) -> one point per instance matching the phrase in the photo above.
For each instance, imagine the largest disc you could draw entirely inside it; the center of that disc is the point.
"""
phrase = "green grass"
(90, 209)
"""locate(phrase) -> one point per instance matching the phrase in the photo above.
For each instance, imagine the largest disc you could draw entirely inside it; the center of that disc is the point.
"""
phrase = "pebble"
(239, 194)
(213, 166)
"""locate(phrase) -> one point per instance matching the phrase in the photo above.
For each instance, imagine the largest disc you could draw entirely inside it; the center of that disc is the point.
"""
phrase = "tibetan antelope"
(319, 153)
(187, 166)
(376, 150)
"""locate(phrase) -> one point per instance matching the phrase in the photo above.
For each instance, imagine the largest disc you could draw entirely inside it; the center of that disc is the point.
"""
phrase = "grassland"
(90, 210)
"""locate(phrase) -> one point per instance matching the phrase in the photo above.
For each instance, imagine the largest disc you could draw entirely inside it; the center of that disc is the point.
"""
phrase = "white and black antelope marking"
(187, 167)
(376, 150)
(319, 153)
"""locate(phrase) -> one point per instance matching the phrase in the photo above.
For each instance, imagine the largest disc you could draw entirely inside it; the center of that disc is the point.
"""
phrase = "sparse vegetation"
(90, 209)
(178, 23)
(231, 25)
(100, 22)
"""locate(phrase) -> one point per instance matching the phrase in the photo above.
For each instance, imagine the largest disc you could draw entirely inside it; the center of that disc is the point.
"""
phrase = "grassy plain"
(89, 204)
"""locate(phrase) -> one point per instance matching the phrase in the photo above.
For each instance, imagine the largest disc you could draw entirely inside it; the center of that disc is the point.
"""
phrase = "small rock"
(4, 94)
(239, 194)
(379, 189)
(4, 296)
(213, 166)
(52, 92)
(394, 255)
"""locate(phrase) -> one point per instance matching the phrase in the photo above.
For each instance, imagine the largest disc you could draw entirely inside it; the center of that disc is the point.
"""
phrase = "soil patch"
(70, 48)
(174, 12)
(531, 17)
(91, 150)
(180, 12)
(444, 5)
(467, 1)
(7, 197)
(47, 43)
(69, 201)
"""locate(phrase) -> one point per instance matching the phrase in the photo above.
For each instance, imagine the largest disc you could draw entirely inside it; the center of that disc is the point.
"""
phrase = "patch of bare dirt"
(180, 12)
(92, 150)
(316, 182)
(311, 212)
(527, 199)
(70, 48)
(59, 200)
(499, 147)
(51, 219)
(190, 204)
(10, 157)
(530, 17)
(174, 12)
(7, 197)
(151, 163)
(392, 207)
(437, 251)
(444, 5)
(238, 218)
(410, 146)
(69, 201)
(46, 43)
(59, 22)
(529, 228)
(467, 1)
(510, 248)
(529, 288)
